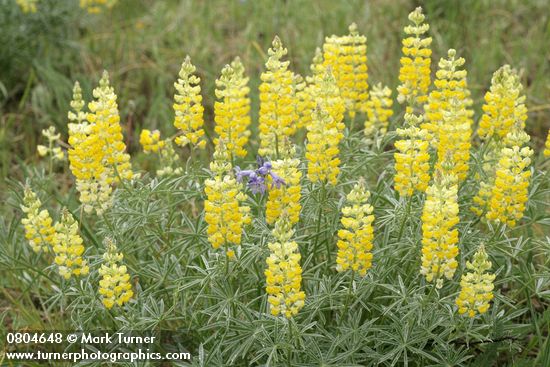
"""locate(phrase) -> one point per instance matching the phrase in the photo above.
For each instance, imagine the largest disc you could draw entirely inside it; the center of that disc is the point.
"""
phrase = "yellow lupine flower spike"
(86, 158)
(511, 185)
(284, 273)
(414, 73)
(476, 285)
(322, 151)
(150, 141)
(547, 145)
(486, 182)
(284, 199)
(232, 110)
(38, 223)
(450, 85)
(224, 211)
(68, 247)
(504, 105)
(379, 110)
(412, 158)
(308, 95)
(105, 124)
(114, 286)
(355, 239)
(302, 101)
(347, 56)
(278, 119)
(327, 95)
(439, 235)
(188, 107)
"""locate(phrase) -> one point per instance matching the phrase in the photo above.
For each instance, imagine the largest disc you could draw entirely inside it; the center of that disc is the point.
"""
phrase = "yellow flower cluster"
(285, 199)
(68, 248)
(379, 111)
(97, 6)
(150, 141)
(278, 117)
(97, 155)
(104, 120)
(547, 145)
(510, 189)
(232, 111)
(476, 286)
(85, 158)
(114, 286)
(439, 237)
(347, 57)
(188, 107)
(412, 158)
(450, 84)
(449, 117)
(308, 96)
(284, 273)
(504, 105)
(486, 182)
(355, 240)
(323, 137)
(169, 160)
(325, 131)
(327, 96)
(225, 213)
(302, 101)
(38, 223)
(27, 6)
(414, 73)
(53, 137)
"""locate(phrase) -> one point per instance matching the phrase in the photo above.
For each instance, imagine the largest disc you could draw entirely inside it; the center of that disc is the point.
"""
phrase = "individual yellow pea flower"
(547, 145)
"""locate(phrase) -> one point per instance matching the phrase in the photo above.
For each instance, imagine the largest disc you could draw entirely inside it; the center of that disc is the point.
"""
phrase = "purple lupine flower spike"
(256, 184)
(277, 180)
(256, 178)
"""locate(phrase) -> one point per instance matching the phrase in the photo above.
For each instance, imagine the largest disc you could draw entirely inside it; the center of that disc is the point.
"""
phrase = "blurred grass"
(142, 43)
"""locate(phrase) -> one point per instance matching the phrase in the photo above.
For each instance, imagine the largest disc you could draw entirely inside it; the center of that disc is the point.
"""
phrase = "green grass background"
(143, 42)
